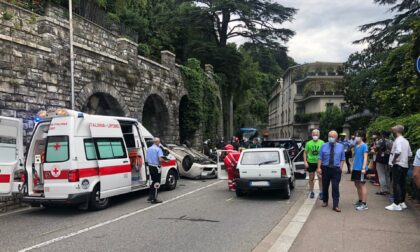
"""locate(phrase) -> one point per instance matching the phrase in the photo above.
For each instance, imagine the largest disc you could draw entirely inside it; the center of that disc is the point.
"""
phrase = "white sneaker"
(403, 205)
(394, 207)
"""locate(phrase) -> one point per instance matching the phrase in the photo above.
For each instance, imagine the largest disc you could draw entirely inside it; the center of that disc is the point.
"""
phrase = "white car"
(191, 163)
(265, 169)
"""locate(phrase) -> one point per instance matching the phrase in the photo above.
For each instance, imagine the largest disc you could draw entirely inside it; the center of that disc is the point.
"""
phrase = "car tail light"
(283, 172)
(22, 176)
(73, 175)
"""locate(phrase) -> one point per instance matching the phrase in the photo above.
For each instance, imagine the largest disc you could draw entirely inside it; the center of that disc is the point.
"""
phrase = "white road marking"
(16, 211)
(229, 199)
(81, 231)
(285, 241)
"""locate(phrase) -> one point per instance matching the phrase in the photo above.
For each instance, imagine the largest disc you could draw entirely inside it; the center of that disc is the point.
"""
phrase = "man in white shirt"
(400, 153)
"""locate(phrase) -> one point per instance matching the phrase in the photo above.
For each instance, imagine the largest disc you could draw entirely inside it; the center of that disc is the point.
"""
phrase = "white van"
(76, 158)
(265, 169)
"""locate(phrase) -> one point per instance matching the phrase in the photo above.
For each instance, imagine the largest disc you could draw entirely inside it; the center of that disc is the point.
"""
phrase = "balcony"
(306, 118)
(319, 88)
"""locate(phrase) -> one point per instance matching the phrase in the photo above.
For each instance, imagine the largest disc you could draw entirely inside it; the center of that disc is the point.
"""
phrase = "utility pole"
(71, 53)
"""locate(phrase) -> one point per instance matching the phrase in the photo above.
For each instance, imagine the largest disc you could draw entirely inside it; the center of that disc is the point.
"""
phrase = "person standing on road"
(347, 150)
(330, 164)
(154, 157)
(360, 167)
(230, 161)
(400, 153)
(416, 172)
(310, 158)
(383, 151)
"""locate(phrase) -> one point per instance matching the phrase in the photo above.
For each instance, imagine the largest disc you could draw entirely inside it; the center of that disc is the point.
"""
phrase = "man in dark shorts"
(310, 157)
(360, 166)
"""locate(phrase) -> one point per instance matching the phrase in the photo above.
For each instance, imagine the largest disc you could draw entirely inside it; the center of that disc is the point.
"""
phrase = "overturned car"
(191, 163)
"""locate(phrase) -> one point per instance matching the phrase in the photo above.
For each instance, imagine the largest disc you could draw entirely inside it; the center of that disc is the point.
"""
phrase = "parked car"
(265, 169)
(290, 145)
(300, 172)
(191, 163)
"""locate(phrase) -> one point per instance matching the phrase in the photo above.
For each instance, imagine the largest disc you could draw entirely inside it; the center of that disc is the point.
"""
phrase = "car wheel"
(286, 192)
(95, 202)
(239, 193)
(187, 163)
(171, 180)
(292, 183)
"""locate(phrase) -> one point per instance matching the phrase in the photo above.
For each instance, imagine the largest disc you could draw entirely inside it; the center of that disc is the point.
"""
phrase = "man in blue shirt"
(330, 163)
(154, 157)
(360, 166)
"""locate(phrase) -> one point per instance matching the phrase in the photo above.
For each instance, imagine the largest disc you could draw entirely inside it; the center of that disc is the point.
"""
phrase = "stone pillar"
(127, 50)
(167, 59)
(208, 68)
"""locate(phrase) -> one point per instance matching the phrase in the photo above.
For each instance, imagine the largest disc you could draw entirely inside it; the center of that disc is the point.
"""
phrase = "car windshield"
(277, 144)
(260, 158)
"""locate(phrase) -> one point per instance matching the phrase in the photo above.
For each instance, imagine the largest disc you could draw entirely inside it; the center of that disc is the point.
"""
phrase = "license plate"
(260, 183)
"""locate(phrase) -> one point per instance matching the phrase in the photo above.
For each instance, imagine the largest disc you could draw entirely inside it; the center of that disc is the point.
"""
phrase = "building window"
(329, 105)
(343, 106)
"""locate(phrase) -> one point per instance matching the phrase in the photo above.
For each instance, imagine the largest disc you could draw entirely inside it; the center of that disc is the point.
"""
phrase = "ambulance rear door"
(113, 161)
(11, 153)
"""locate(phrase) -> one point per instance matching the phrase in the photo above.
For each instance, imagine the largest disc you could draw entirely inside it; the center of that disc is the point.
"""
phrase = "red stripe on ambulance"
(91, 172)
(5, 178)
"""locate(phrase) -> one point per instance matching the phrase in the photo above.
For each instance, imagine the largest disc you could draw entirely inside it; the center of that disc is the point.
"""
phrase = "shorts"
(358, 176)
(312, 167)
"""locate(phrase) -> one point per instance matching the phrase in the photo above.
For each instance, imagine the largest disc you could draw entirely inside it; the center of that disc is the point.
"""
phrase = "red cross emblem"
(57, 146)
(56, 172)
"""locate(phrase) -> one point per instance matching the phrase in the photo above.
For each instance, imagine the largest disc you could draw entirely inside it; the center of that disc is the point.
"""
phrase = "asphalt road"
(197, 216)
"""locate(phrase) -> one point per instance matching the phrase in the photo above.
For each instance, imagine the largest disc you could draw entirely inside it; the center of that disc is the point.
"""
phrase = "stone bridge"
(110, 77)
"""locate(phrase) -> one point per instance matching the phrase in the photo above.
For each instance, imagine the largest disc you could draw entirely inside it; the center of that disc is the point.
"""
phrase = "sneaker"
(320, 195)
(403, 205)
(393, 207)
(312, 195)
(362, 207)
(357, 203)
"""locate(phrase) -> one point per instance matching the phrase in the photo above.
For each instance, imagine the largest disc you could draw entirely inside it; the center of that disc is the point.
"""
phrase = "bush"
(144, 50)
(7, 15)
(411, 124)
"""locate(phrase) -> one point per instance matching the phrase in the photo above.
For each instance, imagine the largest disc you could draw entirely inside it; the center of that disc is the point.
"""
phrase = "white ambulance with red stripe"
(76, 158)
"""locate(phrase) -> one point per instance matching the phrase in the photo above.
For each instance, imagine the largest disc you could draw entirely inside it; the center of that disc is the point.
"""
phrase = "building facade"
(298, 98)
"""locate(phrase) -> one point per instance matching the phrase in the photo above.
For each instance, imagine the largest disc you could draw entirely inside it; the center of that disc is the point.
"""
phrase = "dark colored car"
(290, 145)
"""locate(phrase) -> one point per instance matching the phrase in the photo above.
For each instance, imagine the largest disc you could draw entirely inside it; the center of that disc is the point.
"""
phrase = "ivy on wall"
(202, 109)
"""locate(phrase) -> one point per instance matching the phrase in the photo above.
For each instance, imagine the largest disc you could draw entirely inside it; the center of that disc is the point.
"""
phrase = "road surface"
(197, 216)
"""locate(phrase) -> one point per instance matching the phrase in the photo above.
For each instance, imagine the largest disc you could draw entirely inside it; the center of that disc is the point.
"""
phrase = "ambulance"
(76, 159)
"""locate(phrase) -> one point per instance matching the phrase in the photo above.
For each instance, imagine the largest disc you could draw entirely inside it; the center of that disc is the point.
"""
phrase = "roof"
(308, 64)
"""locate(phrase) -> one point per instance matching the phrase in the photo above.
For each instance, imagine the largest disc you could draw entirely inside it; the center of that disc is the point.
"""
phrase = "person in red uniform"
(231, 161)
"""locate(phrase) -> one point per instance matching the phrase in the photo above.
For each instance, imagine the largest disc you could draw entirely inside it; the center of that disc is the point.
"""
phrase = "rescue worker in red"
(231, 160)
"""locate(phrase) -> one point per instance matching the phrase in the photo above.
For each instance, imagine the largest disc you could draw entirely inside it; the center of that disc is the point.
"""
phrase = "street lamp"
(71, 53)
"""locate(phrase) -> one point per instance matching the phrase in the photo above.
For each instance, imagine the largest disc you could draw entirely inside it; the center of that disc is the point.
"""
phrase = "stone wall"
(35, 69)
(110, 76)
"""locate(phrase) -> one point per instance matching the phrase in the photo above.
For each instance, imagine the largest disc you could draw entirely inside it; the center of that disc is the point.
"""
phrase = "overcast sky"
(325, 29)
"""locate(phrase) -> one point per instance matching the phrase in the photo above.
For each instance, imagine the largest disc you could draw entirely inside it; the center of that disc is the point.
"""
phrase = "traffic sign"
(418, 64)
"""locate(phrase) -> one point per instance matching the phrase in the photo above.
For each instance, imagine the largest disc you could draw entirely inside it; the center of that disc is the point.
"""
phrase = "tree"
(332, 119)
(257, 20)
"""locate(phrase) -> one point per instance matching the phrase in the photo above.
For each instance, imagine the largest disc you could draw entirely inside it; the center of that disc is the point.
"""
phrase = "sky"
(325, 29)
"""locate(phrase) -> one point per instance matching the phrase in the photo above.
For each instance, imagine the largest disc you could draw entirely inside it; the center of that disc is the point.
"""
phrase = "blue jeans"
(333, 176)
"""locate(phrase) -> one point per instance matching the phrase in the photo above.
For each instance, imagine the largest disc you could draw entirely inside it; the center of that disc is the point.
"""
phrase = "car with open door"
(300, 172)
(265, 169)
(291, 145)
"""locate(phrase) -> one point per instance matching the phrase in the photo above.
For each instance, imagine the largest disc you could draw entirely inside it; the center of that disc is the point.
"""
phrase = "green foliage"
(305, 118)
(202, 111)
(144, 50)
(332, 119)
(411, 124)
(7, 15)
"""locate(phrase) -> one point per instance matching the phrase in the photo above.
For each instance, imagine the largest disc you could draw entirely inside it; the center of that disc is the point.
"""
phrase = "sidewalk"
(376, 229)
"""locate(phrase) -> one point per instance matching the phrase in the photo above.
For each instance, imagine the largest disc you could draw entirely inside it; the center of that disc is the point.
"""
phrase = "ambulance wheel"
(239, 193)
(171, 180)
(96, 203)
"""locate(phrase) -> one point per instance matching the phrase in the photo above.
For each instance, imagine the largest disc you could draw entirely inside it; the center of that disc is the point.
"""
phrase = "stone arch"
(104, 92)
(155, 117)
(103, 104)
(182, 119)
